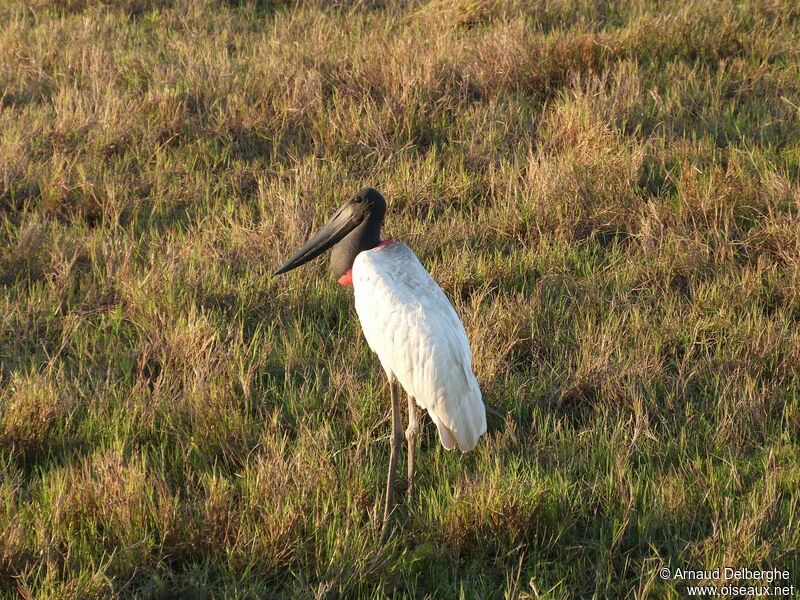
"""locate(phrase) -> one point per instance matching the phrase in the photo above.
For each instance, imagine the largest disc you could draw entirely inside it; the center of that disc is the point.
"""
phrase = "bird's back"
(412, 327)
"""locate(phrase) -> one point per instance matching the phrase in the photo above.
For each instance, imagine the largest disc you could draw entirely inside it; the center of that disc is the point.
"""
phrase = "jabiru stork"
(409, 323)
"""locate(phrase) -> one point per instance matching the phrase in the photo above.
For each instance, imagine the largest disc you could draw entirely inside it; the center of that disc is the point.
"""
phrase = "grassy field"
(609, 192)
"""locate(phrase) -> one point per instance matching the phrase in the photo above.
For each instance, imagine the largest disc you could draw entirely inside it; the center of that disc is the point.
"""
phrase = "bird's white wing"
(412, 327)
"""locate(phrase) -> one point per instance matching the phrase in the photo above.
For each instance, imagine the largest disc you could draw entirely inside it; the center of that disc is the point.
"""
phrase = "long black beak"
(342, 223)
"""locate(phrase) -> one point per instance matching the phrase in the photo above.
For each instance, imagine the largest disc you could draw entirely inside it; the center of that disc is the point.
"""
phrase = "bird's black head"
(355, 227)
(366, 204)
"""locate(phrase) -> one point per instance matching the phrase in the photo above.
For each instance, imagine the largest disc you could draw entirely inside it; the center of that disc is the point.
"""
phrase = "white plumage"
(412, 327)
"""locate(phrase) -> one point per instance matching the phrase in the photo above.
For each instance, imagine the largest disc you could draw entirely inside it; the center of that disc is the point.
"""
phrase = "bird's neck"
(347, 278)
(364, 237)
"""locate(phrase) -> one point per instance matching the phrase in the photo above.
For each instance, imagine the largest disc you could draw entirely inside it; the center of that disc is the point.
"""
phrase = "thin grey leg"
(396, 440)
(411, 441)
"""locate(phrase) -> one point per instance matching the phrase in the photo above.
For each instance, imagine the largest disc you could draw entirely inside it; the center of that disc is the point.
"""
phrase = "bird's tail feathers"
(472, 422)
(445, 435)
(467, 431)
